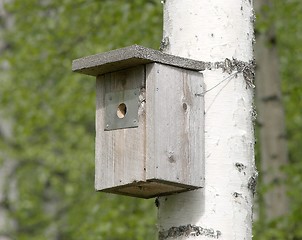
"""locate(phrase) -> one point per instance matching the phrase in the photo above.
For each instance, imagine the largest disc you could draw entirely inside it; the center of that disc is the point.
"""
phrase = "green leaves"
(53, 113)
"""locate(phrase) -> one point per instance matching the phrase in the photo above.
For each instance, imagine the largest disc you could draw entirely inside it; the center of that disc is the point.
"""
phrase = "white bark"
(213, 31)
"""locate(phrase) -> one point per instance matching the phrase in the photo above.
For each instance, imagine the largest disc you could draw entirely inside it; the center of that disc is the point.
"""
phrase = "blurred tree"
(284, 17)
(7, 184)
(271, 118)
(53, 117)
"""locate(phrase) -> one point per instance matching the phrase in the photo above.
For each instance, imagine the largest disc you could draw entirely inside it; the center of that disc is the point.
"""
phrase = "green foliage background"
(52, 111)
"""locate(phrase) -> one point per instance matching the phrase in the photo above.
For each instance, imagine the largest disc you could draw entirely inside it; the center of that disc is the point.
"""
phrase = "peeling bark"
(189, 230)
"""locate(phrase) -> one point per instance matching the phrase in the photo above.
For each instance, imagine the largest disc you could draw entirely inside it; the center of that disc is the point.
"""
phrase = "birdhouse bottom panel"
(149, 189)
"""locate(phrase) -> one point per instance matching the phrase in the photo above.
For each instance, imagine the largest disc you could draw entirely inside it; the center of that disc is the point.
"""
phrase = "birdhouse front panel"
(120, 135)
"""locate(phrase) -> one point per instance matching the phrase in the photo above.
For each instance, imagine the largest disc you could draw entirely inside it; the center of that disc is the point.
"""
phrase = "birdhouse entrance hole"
(121, 110)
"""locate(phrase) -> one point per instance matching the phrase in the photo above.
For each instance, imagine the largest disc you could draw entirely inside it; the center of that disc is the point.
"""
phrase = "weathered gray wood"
(120, 154)
(129, 57)
(175, 125)
(164, 154)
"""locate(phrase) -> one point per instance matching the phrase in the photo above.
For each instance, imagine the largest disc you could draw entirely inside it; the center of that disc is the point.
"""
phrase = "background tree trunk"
(273, 144)
(219, 33)
(8, 190)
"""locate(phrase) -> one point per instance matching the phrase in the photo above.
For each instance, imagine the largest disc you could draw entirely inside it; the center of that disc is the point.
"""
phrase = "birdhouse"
(149, 121)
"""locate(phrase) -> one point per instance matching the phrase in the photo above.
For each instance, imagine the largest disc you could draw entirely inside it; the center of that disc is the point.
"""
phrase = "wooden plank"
(120, 154)
(175, 125)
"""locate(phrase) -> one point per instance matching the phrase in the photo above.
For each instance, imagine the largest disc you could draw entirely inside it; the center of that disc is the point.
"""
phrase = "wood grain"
(165, 153)
(120, 154)
(175, 125)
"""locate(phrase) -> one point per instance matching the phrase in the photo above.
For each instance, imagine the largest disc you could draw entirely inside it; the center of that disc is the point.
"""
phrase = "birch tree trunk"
(219, 33)
(273, 145)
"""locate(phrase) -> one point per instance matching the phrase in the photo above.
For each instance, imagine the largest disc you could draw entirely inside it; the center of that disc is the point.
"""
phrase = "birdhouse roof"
(127, 57)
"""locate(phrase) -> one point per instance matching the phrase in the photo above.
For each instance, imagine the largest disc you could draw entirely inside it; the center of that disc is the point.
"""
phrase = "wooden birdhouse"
(149, 121)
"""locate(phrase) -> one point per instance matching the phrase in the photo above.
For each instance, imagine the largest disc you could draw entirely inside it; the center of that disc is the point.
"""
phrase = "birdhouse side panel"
(175, 125)
(120, 151)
